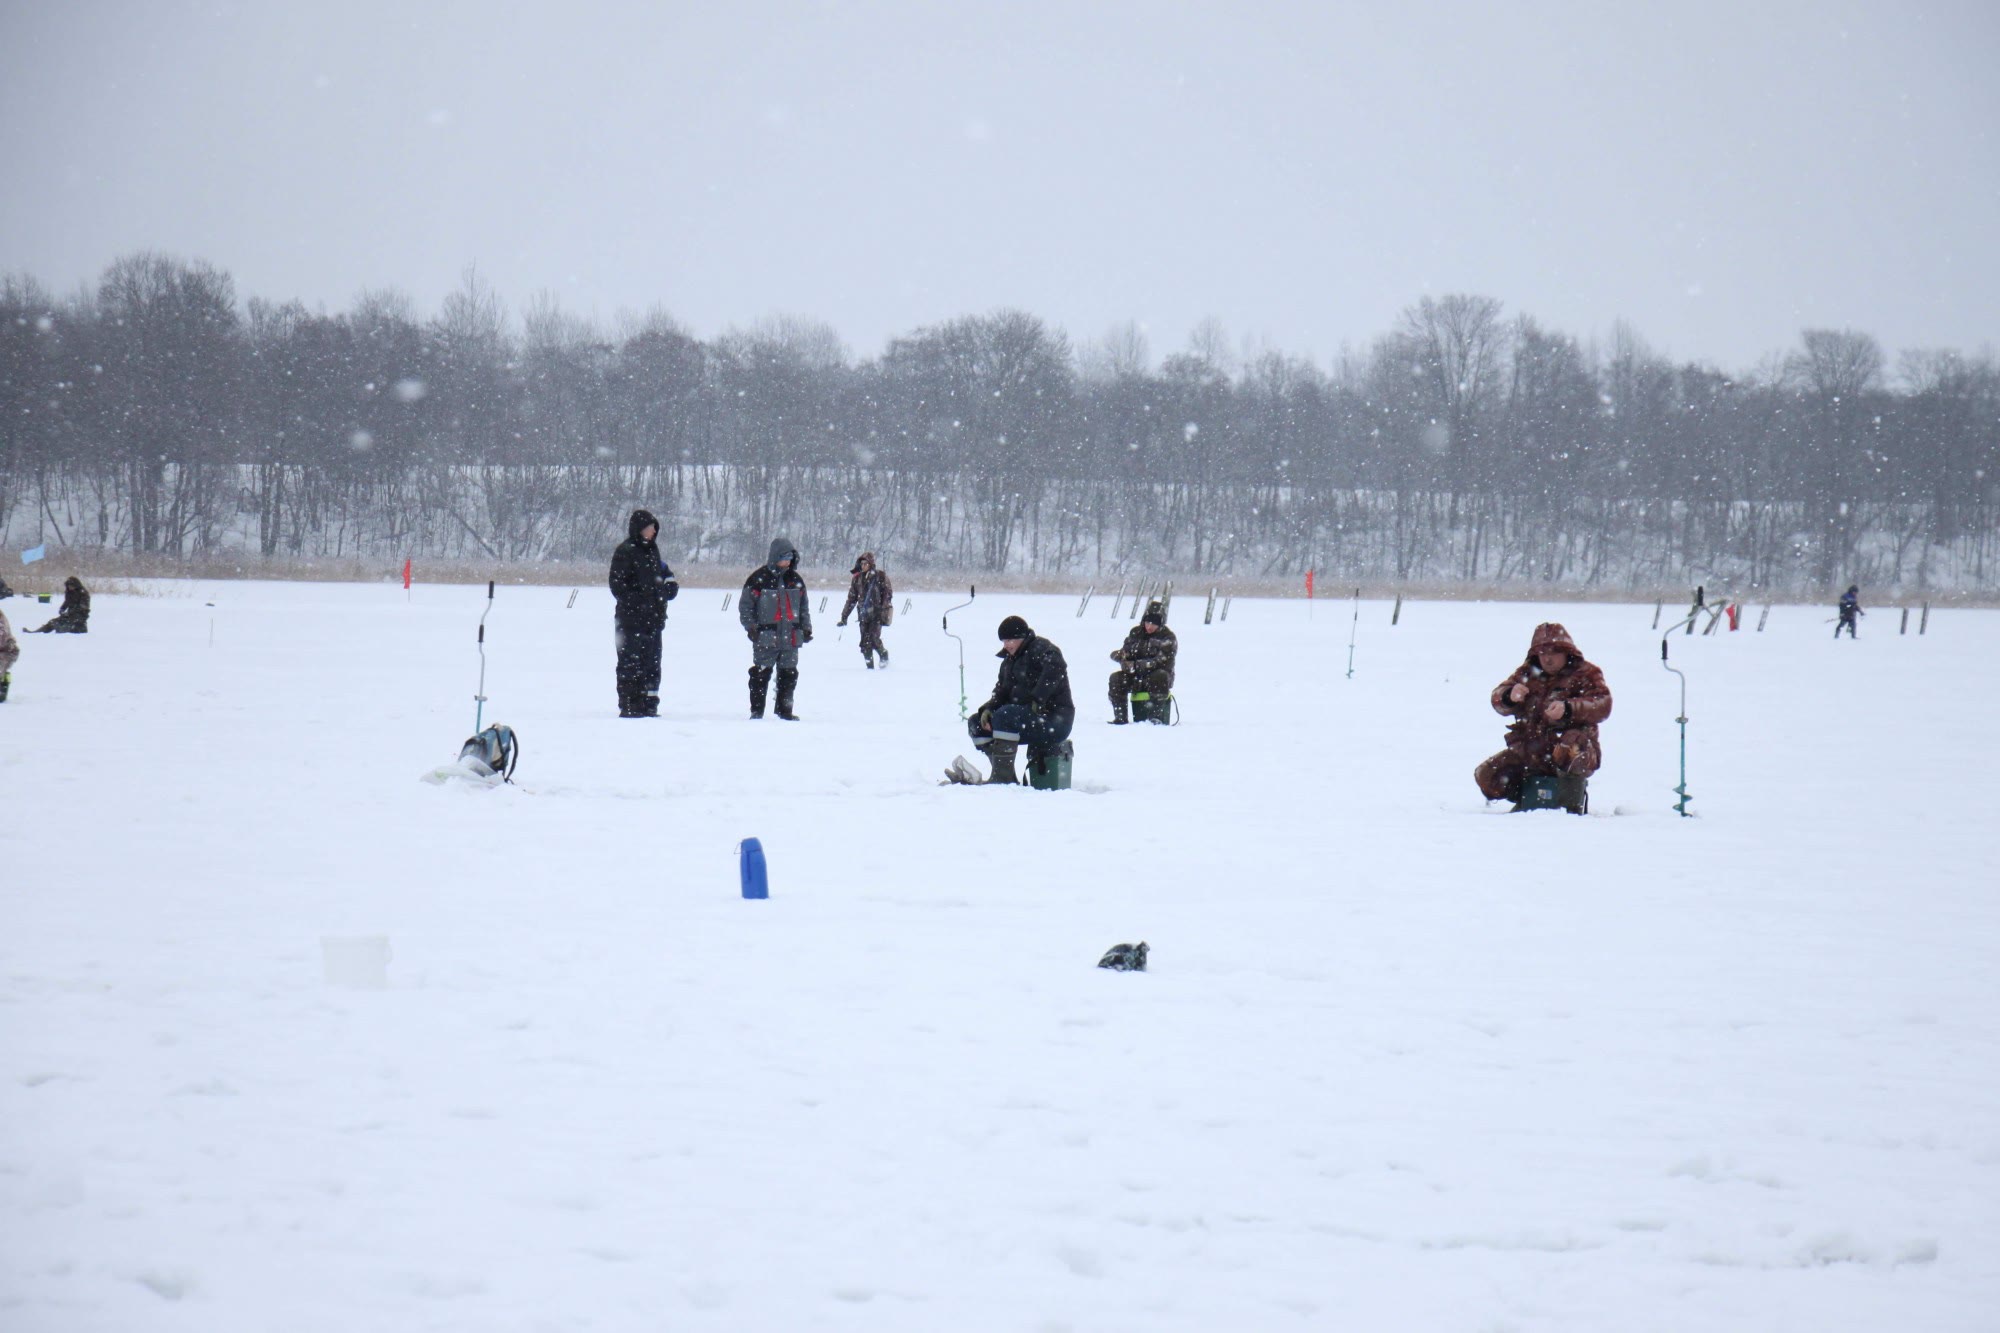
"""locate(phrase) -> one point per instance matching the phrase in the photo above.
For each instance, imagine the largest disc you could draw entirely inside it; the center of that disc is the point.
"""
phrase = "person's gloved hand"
(806, 635)
(752, 634)
(1519, 694)
(842, 623)
(1557, 710)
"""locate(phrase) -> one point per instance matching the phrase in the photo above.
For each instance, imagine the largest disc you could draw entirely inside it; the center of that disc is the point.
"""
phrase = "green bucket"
(1555, 791)
(1050, 771)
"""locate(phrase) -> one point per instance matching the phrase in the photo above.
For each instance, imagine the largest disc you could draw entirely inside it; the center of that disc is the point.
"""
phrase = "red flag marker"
(406, 574)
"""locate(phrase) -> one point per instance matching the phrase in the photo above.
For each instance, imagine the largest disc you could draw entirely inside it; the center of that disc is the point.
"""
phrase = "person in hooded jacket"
(641, 587)
(1556, 699)
(776, 612)
(1850, 611)
(1145, 662)
(869, 593)
(10, 653)
(1030, 704)
(73, 616)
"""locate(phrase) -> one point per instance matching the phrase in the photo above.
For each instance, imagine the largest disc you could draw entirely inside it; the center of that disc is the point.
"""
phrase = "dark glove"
(842, 624)
(806, 635)
(752, 634)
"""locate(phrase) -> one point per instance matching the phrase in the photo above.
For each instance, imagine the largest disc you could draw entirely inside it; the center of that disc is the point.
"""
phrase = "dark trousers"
(1017, 721)
(1576, 753)
(1127, 683)
(638, 670)
(1847, 623)
(871, 638)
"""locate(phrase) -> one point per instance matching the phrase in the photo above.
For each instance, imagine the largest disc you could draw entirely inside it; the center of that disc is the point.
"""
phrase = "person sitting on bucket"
(1031, 704)
(1556, 699)
(1145, 664)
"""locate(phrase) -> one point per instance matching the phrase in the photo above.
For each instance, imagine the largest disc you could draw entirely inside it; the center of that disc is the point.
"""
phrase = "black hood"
(782, 549)
(641, 520)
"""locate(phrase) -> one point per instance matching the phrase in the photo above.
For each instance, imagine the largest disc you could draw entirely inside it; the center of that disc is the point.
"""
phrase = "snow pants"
(638, 671)
(1019, 723)
(1124, 684)
(1500, 776)
(871, 639)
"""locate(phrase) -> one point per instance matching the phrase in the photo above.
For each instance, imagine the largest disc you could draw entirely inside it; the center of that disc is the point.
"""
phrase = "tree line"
(156, 414)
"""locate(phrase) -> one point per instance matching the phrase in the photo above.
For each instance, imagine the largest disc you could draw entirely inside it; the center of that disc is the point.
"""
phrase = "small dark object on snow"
(1125, 957)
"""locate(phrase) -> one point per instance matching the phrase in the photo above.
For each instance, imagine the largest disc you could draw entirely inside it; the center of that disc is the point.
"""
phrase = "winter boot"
(1118, 714)
(6, 682)
(883, 653)
(760, 687)
(788, 682)
(1002, 754)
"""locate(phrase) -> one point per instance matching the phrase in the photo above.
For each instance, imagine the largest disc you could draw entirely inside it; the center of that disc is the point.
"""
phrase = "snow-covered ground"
(1402, 1062)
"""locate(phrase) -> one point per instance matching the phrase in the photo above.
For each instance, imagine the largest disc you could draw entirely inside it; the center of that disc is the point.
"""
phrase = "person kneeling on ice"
(1031, 705)
(73, 616)
(1556, 699)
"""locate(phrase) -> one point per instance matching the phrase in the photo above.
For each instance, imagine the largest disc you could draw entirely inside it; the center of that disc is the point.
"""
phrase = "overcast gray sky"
(1719, 175)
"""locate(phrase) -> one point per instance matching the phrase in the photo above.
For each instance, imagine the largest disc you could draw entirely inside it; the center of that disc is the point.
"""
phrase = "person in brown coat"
(1556, 699)
(870, 592)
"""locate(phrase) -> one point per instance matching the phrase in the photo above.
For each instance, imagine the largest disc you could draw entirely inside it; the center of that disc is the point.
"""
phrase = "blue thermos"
(755, 883)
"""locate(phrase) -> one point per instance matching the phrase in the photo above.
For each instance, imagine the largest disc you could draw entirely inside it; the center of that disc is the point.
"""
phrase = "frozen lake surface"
(1401, 1062)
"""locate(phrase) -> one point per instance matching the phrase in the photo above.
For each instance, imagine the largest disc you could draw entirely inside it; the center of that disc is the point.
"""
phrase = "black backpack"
(1125, 957)
(497, 748)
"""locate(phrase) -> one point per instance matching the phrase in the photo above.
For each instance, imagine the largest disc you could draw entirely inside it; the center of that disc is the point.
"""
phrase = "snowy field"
(1403, 1062)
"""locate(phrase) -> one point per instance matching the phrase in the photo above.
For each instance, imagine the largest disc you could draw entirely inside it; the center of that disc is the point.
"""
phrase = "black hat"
(1013, 627)
(1156, 614)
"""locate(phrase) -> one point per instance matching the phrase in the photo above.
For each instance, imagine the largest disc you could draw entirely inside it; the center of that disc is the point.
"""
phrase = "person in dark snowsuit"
(869, 593)
(73, 617)
(1556, 699)
(776, 612)
(1145, 662)
(641, 587)
(1030, 704)
(1850, 611)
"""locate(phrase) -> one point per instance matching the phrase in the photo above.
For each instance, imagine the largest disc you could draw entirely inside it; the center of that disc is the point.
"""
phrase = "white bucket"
(358, 961)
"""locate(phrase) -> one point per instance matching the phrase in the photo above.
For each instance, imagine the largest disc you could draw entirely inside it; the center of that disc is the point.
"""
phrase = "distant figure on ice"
(1145, 673)
(1556, 699)
(641, 587)
(10, 653)
(1030, 706)
(776, 612)
(869, 593)
(1850, 611)
(73, 617)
